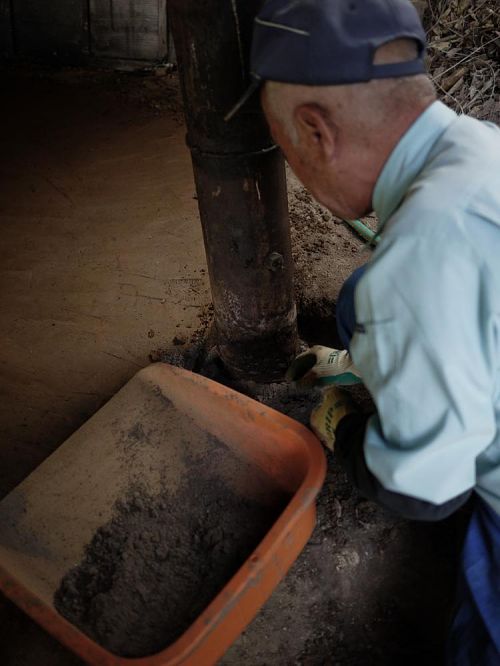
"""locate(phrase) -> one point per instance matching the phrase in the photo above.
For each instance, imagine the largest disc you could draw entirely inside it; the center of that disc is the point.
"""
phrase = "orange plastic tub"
(48, 519)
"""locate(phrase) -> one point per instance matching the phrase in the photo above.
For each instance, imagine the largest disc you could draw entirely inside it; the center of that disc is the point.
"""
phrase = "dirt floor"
(102, 268)
(369, 589)
(101, 258)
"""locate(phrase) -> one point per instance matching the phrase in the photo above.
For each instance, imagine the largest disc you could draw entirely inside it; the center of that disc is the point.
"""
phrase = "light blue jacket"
(428, 312)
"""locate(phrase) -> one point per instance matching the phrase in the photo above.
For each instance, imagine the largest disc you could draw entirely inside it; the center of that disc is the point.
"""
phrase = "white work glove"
(335, 404)
(322, 367)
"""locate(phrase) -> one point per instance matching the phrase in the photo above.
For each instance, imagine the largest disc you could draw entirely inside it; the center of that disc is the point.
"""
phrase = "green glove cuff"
(322, 366)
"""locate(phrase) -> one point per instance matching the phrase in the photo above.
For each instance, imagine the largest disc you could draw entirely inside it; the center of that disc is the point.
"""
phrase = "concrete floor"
(101, 262)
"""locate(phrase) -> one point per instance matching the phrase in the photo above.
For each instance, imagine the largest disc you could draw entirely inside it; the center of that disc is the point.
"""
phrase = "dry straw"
(464, 54)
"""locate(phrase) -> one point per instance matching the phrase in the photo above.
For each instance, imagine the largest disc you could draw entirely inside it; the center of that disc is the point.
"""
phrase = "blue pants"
(475, 634)
(474, 638)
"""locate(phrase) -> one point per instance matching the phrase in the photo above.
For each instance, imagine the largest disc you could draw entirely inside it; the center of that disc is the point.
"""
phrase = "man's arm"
(349, 441)
(424, 348)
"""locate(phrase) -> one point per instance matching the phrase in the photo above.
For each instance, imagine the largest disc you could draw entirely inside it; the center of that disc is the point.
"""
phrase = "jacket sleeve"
(349, 444)
(425, 347)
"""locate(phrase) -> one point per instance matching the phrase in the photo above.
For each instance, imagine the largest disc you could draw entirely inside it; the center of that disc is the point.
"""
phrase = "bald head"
(346, 131)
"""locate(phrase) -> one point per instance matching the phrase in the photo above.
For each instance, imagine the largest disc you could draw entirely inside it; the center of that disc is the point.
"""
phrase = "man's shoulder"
(468, 138)
(421, 275)
(464, 164)
(448, 224)
(458, 186)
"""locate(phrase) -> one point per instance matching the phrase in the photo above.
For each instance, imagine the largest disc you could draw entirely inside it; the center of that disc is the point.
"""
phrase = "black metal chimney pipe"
(241, 188)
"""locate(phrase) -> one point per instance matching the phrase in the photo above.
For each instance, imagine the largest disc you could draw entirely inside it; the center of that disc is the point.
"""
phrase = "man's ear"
(315, 130)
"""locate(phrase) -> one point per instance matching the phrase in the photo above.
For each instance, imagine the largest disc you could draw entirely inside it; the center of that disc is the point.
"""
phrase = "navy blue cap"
(330, 42)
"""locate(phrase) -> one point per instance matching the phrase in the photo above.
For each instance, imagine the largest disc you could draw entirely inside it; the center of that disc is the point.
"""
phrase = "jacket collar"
(408, 159)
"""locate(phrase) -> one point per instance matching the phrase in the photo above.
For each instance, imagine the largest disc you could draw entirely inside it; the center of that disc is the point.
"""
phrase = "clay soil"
(148, 573)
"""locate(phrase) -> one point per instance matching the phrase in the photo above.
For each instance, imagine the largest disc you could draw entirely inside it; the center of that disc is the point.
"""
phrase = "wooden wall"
(75, 31)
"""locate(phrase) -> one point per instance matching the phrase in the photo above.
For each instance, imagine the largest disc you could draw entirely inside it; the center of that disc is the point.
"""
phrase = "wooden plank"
(128, 29)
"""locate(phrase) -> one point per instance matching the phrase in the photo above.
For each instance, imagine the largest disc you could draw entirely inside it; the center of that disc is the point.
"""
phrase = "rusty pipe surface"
(241, 189)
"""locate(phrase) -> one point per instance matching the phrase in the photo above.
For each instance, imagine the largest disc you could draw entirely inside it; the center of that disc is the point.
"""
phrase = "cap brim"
(249, 92)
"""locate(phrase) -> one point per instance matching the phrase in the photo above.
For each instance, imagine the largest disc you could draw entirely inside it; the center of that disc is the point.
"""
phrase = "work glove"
(322, 367)
(335, 404)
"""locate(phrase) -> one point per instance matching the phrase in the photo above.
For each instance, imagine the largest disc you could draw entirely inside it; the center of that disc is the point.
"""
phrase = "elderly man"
(346, 96)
